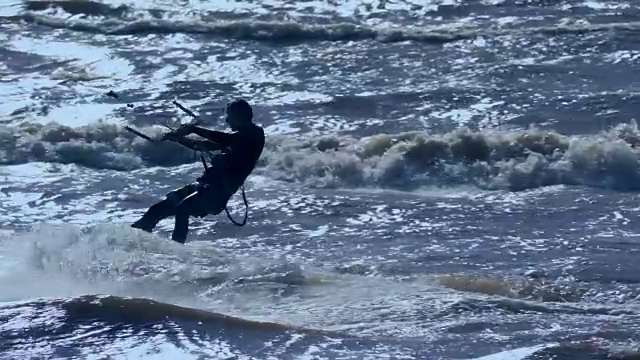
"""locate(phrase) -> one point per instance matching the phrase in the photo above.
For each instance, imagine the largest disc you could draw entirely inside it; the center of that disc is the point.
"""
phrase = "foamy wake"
(68, 260)
(489, 159)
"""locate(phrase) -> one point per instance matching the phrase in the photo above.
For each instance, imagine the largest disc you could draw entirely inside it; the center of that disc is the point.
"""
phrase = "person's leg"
(163, 209)
(194, 205)
(157, 212)
(206, 201)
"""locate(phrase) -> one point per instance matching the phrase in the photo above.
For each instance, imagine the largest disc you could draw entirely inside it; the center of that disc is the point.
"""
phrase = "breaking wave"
(129, 322)
(515, 161)
(95, 17)
(164, 300)
(115, 326)
(119, 327)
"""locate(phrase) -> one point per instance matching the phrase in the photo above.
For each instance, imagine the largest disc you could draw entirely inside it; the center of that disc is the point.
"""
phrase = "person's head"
(239, 114)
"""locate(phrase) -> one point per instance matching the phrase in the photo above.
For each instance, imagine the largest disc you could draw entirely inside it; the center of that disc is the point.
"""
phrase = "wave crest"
(490, 159)
(95, 17)
(516, 160)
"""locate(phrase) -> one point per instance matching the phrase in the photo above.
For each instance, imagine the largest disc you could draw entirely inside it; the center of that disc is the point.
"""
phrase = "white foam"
(156, 347)
(616, 57)
(320, 231)
(515, 354)
(463, 116)
(297, 97)
(178, 5)
(347, 8)
(19, 205)
(597, 5)
(21, 199)
(6, 263)
(35, 173)
(10, 8)
(90, 68)
(83, 114)
(17, 95)
(246, 70)
(183, 41)
(74, 50)
(459, 116)
(279, 128)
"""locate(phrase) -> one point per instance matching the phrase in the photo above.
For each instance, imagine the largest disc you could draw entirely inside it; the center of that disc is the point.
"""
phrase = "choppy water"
(441, 180)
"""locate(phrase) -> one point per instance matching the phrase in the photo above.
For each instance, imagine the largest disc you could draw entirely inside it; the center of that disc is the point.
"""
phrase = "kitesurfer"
(209, 194)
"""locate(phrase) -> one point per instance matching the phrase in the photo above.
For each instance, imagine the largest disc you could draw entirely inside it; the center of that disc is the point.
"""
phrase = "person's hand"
(178, 133)
(170, 136)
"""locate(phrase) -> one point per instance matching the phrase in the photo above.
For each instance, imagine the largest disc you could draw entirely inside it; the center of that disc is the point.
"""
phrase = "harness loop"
(226, 208)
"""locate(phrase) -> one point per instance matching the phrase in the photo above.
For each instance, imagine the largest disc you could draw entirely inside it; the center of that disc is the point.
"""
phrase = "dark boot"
(181, 226)
(180, 229)
(154, 215)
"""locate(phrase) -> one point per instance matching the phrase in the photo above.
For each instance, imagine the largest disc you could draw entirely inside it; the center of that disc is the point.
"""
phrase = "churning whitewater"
(440, 180)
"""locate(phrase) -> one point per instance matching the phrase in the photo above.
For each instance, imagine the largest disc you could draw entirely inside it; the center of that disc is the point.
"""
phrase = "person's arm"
(199, 144)
(218, 137)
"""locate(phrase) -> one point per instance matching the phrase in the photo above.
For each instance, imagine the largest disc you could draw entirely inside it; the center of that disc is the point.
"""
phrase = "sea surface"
(442, 179)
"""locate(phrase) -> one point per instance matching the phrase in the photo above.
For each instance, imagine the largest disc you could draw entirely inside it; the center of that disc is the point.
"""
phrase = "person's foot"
(179, 236)
(142, 226)
(179, 239)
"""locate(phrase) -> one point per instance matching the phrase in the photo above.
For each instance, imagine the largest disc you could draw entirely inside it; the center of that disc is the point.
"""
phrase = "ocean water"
(442, 179)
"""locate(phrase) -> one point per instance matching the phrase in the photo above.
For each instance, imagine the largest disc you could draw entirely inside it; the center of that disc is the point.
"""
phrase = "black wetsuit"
(245, 147)
(209, 196)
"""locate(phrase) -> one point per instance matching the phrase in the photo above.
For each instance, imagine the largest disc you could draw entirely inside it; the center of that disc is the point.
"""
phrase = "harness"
(244, 197)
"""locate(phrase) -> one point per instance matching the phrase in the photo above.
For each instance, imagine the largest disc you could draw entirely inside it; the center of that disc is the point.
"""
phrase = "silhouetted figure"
(211, 191)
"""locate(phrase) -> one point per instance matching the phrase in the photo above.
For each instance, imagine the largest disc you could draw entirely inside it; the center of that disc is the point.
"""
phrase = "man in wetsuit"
(211, 192)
